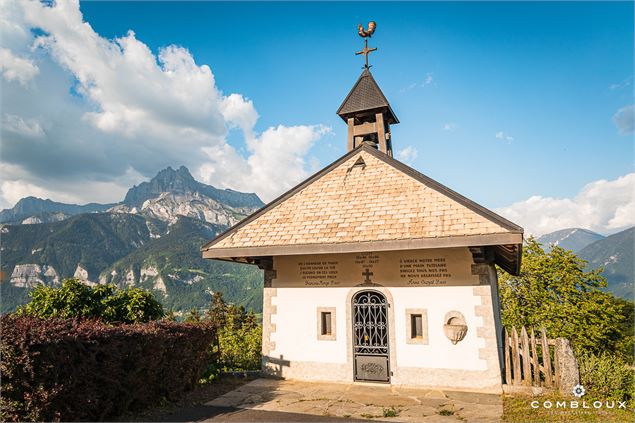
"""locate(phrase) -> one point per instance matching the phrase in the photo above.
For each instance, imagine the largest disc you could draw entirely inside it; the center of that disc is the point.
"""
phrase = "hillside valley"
(613, 253)
(151, 239)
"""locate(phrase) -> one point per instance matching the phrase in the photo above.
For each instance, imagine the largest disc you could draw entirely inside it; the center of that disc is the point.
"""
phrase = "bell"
(371, 143)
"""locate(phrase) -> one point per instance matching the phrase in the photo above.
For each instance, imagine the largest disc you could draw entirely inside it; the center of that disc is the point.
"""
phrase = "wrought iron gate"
(370, 336)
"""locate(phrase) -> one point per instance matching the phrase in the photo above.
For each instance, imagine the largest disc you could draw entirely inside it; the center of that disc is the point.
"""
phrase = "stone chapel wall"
(292, 347)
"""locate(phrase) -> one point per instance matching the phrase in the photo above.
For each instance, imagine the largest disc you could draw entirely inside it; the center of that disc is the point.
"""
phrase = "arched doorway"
(370, 336)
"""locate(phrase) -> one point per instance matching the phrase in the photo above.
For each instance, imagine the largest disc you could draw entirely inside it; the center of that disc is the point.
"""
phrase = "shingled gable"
(367, 201)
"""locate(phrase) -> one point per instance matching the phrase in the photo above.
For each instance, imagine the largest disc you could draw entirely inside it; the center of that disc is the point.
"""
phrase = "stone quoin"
(375, 272)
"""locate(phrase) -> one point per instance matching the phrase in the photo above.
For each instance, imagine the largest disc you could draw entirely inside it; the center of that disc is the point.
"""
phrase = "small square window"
(416, 326)
(326, 323)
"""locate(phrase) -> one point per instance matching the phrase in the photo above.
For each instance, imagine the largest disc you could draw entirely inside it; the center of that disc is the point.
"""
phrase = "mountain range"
(573, 239)
(614, 253)
(151, 239)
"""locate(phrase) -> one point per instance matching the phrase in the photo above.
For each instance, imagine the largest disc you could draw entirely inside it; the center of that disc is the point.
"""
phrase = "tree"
(555, 290)
(105, 302)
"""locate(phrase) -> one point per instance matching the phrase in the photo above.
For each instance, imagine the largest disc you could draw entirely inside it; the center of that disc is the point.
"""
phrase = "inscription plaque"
(433, 267)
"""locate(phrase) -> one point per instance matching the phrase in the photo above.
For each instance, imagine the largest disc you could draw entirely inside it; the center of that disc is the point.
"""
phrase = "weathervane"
(366, 34)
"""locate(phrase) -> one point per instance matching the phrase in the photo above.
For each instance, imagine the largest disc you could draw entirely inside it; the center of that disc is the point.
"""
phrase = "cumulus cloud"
(407, 154)
(101, 112)
(25, 127)
(602, 206)
(624, 120)
(15, 68)
(428, 80)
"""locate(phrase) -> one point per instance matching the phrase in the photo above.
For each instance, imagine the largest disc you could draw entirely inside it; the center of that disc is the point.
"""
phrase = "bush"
(105, 302)
(239, 337)
(606, 377)
(240, 343)
(72, 369)
(555, 290)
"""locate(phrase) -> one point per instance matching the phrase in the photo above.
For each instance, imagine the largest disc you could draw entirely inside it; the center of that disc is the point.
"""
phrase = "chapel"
(374, 272)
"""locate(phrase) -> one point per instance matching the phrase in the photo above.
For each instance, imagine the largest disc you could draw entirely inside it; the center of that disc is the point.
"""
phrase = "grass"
(517, 409)
(390, 412)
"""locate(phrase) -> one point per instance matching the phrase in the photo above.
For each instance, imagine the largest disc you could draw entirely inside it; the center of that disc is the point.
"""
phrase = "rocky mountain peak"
(178, 181)
(181, 182)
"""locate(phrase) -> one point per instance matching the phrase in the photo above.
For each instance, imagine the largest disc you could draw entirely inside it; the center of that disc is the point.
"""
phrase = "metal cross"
(366, 51)
(368, 274)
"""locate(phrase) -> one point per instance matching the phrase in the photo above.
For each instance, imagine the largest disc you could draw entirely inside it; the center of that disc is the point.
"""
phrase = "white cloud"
(429, 79)
(100, 112)
(407, 154)
(624, 120)
(15, 68)
(503, 136)
(288, 145)
(602, 206)
(408, 88)
(449, 126)
(26, 127)
(625, 83)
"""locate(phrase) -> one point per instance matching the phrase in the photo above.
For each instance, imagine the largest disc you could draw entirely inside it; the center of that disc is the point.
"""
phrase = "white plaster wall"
(439, 352)
(296, 326)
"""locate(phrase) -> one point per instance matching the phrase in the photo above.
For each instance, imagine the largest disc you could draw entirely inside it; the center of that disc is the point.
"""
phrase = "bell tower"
(365, 108)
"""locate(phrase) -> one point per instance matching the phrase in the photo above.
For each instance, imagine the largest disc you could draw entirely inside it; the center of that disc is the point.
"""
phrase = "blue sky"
(500, 101)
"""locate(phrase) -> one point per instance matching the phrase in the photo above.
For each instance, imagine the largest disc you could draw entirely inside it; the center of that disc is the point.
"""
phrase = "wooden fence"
(530, 360)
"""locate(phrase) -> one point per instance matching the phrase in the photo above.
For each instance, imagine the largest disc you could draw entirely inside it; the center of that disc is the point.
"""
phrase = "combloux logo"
(579, 391)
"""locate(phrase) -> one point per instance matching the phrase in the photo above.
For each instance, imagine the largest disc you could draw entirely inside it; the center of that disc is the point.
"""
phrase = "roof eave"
(506, 238)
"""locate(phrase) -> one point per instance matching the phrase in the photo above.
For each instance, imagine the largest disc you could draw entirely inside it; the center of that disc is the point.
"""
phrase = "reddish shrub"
(69, 369)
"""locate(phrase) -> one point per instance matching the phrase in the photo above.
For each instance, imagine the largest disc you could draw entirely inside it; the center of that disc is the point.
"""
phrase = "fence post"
(567, 366)
(524, 339)
(508, 367)
(534, 359)
(516, 358)
(546, 358)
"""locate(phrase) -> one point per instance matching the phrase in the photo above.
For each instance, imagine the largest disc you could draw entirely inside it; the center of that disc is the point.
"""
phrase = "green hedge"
(70, 369)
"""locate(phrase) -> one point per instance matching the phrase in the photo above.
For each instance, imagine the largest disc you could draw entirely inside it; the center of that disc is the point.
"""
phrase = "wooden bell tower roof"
(366, 98)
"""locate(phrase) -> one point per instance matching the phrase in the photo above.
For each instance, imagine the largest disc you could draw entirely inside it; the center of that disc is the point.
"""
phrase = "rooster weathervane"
(366, 34)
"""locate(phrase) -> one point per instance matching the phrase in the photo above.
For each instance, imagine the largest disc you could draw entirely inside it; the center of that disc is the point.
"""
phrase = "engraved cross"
(368, 274)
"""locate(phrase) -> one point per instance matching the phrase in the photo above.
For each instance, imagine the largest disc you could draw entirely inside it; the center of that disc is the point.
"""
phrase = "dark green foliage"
(188, 277)
(103, 243)
(606, 377)
(240, 341)
(93, 240)
(86, 370)
(11, 297)
(105, 302)
(556, 291)
(239, 336)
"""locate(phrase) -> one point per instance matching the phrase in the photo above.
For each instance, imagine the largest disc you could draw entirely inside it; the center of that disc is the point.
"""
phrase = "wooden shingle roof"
(366, 96)
(367, 201)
